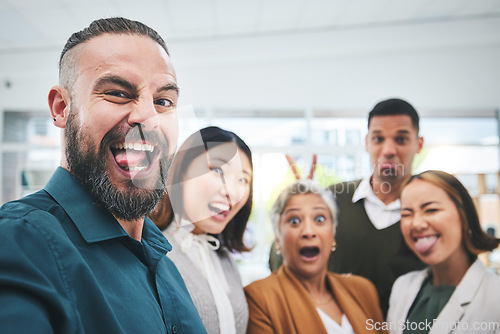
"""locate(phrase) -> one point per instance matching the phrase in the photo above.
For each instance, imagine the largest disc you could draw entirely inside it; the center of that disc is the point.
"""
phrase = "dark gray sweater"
(379, 255)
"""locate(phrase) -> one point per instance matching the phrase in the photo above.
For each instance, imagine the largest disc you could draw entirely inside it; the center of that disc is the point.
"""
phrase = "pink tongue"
(219, 213)
(129, 158)
(423, 245)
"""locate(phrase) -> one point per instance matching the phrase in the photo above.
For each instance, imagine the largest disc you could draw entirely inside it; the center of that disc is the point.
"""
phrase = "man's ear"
(59, 103)
(420, 144)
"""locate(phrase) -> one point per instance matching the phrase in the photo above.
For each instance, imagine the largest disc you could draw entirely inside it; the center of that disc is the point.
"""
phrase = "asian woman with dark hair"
(204, 216)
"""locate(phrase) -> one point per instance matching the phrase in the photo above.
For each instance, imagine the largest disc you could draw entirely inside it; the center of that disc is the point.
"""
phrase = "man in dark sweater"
(368, 236)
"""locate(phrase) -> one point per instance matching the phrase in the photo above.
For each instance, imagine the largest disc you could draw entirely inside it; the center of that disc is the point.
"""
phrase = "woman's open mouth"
(220, 210)
(424, 244)
(309, 253)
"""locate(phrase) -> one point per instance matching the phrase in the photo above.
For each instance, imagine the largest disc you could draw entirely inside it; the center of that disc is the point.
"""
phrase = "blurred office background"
(294, 76)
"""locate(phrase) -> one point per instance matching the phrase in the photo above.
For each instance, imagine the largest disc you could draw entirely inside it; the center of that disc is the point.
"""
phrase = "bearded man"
(80, 256)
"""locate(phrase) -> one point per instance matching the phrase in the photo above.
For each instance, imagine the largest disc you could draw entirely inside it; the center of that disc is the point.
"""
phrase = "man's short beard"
(133, 203)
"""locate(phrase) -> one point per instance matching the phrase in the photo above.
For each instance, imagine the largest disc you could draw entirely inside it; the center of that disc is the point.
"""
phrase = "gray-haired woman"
(301, 296)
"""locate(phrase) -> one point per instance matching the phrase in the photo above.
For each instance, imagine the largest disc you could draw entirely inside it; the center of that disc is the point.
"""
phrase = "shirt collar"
(94, 222)
(365, 191)
(152, 234)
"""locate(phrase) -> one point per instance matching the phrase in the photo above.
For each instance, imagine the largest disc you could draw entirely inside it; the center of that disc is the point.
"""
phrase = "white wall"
(439, 65)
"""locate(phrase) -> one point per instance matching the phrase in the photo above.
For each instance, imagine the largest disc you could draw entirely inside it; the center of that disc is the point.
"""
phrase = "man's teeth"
(220, 206)
(134, 146)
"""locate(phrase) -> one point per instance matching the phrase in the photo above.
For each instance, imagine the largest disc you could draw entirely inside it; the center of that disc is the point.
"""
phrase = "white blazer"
(474, 306)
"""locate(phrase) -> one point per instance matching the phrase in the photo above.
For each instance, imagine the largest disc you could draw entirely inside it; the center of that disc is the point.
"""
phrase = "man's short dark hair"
(395, 107)
(113, 25)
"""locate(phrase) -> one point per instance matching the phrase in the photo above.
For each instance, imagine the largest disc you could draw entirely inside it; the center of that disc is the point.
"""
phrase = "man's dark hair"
(113, 25)
(395, 107)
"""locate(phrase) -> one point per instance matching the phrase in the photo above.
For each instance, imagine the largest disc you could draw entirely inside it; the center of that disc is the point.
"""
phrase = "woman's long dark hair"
(232, 235)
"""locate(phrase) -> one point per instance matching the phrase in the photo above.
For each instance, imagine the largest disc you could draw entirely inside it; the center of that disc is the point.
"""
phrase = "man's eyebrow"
(113, 79)
(168, 87)
(403, 132)
(400, 132)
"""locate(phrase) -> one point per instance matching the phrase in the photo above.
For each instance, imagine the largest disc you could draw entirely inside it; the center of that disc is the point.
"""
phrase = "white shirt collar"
(365, 191)
(381, 215)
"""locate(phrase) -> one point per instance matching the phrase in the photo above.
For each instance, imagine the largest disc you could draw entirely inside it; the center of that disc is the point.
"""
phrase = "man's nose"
(389, 148)
(144, 114)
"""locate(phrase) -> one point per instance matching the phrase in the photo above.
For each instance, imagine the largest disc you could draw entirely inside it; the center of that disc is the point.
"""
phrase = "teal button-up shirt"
(67, 266)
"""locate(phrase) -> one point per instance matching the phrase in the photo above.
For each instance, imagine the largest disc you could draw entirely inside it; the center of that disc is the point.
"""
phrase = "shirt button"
(174, 328)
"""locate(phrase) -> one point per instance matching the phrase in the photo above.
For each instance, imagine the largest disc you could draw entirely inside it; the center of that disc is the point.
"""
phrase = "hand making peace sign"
(293, 166)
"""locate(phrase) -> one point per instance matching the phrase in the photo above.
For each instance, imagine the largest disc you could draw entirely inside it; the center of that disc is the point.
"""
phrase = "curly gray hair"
(302, 187)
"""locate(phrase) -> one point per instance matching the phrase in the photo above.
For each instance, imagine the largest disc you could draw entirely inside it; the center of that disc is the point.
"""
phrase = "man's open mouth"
(134, 156)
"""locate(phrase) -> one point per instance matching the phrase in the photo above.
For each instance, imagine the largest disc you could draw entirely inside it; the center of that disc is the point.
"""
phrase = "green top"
(429, 302)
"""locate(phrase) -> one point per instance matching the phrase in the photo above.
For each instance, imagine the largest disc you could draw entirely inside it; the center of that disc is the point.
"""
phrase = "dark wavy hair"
(232, 235)
(475, 239)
